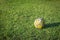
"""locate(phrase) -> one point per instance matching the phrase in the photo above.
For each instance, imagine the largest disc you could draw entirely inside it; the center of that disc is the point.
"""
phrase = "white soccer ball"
(39, 23)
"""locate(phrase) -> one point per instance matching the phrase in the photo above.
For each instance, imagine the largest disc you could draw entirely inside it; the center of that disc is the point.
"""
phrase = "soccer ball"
(39, 23)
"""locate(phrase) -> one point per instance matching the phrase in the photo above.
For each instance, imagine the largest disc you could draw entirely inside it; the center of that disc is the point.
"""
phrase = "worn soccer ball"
(39, 23)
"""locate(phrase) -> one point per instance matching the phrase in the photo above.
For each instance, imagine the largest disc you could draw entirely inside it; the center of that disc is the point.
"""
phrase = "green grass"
(17, 18)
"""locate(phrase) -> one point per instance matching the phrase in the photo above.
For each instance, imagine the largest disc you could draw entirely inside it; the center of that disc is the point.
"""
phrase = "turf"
(17, 18)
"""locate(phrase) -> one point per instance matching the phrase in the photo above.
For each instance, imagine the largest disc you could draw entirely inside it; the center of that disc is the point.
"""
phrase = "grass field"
(17, 18)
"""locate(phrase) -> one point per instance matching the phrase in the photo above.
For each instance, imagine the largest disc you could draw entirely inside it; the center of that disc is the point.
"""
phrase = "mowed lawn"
(17, 19)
